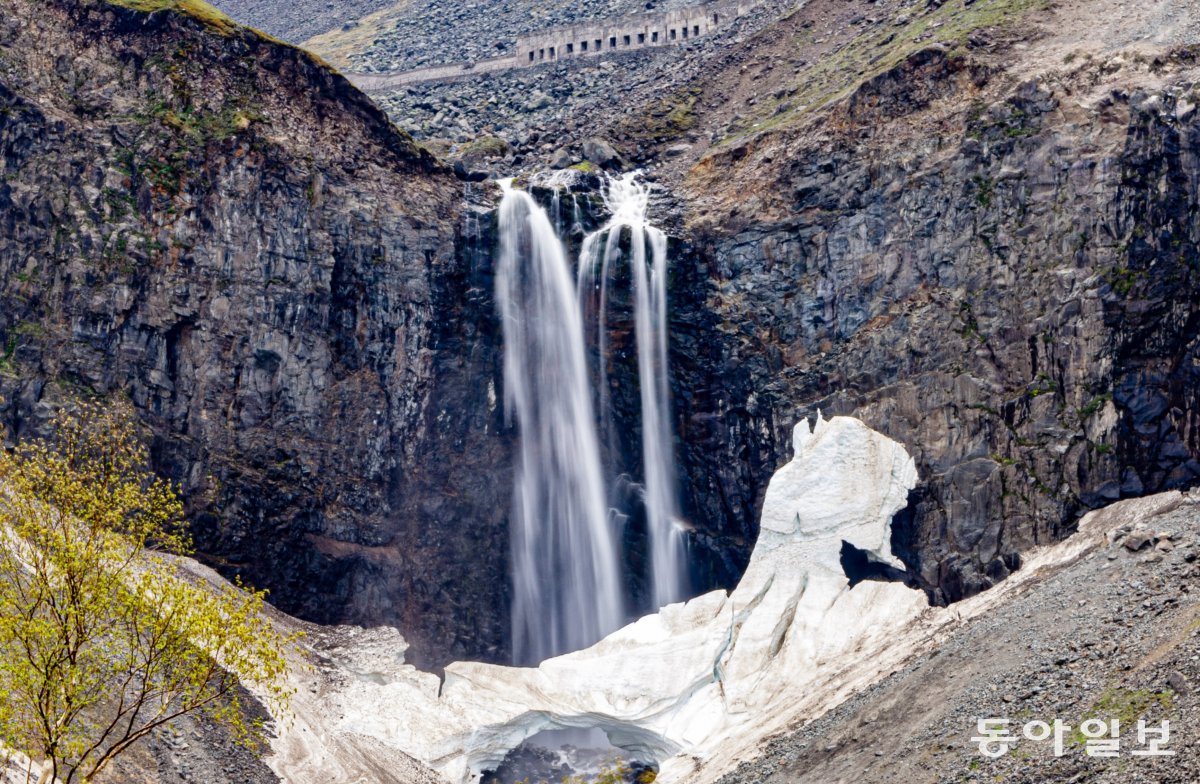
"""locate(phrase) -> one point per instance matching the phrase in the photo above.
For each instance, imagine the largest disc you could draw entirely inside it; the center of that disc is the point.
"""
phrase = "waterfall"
(566, 549)
(628, 202)
(567, 590)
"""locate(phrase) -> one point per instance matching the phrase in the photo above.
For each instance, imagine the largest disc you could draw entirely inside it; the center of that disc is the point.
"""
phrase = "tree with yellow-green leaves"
(105, 636)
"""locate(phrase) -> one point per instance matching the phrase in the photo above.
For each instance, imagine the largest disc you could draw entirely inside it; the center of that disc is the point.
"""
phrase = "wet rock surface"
(573, 760)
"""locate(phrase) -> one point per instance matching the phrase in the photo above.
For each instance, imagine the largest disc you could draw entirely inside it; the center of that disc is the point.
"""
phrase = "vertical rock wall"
(1016, 301)
(226, 233)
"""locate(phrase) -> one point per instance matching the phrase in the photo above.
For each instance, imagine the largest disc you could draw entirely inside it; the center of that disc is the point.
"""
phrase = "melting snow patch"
(675, 685)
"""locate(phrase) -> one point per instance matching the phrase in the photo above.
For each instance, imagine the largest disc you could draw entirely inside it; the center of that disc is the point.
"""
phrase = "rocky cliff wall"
(1004, 279)
(224, 231)
(1000, 273)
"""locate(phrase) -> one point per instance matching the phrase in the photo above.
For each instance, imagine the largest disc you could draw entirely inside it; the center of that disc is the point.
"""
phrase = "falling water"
(628, 202)
(567, 557)
(566, 574)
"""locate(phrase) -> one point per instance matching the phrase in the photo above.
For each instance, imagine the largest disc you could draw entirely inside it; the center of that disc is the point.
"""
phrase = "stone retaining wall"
(638, 31)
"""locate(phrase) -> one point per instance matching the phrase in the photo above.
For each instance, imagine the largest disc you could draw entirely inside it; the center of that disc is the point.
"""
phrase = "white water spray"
(628, 202)
(566, 550)
(566, 575)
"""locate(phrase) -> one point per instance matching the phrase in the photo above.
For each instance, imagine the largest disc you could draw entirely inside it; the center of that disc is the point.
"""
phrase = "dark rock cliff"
(1009, 286)
(1001, 274)
(223, 230)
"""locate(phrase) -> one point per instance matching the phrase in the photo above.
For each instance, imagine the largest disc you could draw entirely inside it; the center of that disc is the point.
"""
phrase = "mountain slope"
(220, 228)
(984, 244)
(296, 20)
(1112, 636)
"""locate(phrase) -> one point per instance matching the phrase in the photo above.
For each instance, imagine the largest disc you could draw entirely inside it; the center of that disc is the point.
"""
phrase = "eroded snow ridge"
(695, 686)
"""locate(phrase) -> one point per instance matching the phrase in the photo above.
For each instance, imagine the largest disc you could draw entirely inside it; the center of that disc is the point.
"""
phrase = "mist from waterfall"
(566, 540)
(567, 590)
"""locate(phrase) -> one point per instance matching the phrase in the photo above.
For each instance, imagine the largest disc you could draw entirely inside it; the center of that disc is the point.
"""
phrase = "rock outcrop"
(980, 239)
(1014, 298)
(220, 228)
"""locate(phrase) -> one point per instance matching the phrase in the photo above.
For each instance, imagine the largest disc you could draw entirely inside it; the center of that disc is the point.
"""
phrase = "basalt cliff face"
(982, 241)
(221, 229)
(991, 259)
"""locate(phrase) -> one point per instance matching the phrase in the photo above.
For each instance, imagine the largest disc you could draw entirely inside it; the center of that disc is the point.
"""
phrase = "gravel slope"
(296, 20)
(1115, 635)
(434, 32)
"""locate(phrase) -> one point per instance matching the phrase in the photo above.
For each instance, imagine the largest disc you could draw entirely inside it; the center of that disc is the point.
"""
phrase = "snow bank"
(671, 686)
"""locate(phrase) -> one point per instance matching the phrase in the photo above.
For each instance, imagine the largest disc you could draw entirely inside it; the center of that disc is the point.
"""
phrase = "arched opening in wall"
(598, 44)
(696, 30)
(626, 40)
(641, 38)
(716, 18)
(570, 48)
(583, 46)
(531, 57)
(551, 52)
(612, 42)
(685, 32)
(541, 54)
(673, 35)
(654, 37)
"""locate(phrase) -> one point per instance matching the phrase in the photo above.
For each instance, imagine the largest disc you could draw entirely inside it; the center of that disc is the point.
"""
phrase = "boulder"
(601, 153)
(1138, 539)
(561, 159)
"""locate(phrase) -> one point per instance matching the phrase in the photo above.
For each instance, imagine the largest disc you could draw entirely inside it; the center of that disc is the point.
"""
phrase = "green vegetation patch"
(7, 366)
(1123, 279)
(1093, 405)
(484, 147)
(1125, 705)
(339, 44)
(1129, 705)
(880, 49)
(216, 126)
(181, 131)
(985, 188)
(1042, 385)
(197, 9)
(669, 117)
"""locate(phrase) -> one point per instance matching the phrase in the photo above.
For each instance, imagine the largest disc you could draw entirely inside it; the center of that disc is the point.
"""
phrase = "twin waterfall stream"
(569, 588)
